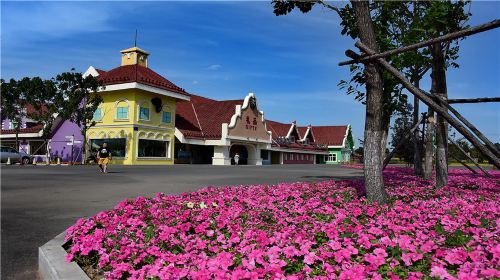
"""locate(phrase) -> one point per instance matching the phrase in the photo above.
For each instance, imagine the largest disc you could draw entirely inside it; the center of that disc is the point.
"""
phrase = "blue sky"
(224, 50)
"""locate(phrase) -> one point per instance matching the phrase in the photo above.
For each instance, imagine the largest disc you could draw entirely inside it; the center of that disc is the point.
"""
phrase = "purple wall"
(58, 144)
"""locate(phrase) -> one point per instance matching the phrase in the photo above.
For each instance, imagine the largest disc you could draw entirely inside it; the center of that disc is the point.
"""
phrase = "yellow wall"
(154, 128)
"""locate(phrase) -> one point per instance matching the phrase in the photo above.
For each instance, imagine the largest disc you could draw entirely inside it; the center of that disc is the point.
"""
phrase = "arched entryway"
(242, 151)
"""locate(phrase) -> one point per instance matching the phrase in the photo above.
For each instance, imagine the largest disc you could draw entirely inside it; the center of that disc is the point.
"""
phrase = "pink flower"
(437, 271)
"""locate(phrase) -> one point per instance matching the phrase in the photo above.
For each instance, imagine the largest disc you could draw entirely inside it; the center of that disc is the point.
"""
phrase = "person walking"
(236, 158)
(103, 157)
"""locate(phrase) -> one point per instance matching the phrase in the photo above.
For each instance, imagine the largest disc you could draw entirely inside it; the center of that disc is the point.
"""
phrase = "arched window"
(121, 109)
(166, 115)
(144, 111)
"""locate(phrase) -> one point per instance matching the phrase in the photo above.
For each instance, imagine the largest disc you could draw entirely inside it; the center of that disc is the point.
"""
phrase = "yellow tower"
(134, 56)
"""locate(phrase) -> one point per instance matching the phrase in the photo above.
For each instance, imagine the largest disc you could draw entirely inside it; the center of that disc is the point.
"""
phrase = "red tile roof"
(139, 74)
(330, 135)
(33, 129)
(203, 117)
(278, 129)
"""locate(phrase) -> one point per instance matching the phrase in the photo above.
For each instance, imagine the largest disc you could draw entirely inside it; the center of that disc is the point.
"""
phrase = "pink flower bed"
(300, 230)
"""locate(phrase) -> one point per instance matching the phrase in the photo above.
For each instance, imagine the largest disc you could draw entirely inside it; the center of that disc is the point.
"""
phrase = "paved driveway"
(40, 202)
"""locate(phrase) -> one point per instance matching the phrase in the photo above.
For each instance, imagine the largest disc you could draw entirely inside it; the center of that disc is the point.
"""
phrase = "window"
(166, 117)
(116, 145)
(121, 108)
(144, 112)
(292, 139)
(122, 113)
(332, 157)
(153, 148)
(38, 148)
(97, 115)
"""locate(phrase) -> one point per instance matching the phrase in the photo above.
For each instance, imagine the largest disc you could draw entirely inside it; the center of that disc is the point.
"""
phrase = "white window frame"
(116, 110)
(332, 157)
(169, 149)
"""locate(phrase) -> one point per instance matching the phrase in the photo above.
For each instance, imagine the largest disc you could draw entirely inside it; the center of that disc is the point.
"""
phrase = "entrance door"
(242, 151)
(275, 158)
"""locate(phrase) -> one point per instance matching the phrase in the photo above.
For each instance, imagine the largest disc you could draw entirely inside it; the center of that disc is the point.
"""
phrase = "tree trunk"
(439, 88)
(17, 139)
(417, 160)
(374, 122)
(429, 145)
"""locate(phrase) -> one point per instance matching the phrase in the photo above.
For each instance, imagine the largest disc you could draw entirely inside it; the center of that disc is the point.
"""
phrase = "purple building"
(59, 141)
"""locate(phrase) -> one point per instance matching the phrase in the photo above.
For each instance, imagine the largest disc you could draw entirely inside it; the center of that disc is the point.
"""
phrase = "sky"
(223, 50)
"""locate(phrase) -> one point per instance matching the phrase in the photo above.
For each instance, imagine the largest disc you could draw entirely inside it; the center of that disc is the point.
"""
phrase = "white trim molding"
(136, 85)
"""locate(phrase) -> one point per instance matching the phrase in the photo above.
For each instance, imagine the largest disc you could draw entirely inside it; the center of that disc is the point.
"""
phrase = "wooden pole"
(401, 143)
(469, 125)
(448, 37)
(469, 157)
(474, 100)
(432, 104)
(464, 164)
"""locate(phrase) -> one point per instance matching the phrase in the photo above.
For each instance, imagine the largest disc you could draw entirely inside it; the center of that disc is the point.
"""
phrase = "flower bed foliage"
(300, 230)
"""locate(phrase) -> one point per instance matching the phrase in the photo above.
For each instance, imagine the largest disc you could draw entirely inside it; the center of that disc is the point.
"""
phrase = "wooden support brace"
(432, 104)
(474, 100)
(401, 143)
(468, 124)
(464, 164)
(448, 37)
(469, 157)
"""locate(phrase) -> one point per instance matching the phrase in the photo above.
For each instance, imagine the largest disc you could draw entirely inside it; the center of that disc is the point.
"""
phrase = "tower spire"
(135, 40)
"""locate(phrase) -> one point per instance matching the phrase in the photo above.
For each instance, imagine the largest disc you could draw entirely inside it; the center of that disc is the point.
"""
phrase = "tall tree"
(13, 105)
(440, 18)
(82, 100)
(47, 102)
(380, 88)
(374, 121)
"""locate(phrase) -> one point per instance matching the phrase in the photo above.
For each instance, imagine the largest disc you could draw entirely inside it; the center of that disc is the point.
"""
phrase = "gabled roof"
(203, 117)
(330, 135)
(278, 129)
(139, 74)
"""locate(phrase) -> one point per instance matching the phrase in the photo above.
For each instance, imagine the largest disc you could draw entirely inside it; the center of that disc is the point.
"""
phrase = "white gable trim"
(91, 71)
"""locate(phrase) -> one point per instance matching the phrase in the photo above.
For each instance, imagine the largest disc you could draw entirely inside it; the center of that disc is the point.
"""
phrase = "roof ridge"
(198, 120)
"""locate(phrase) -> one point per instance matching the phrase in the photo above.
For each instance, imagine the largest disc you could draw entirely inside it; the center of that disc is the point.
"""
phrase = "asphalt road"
(38, 203)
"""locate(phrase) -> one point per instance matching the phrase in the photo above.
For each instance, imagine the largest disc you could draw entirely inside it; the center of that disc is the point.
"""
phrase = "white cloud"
(214, 67)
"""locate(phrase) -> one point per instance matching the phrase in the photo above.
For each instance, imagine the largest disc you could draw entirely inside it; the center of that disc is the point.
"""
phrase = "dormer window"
(292, 139)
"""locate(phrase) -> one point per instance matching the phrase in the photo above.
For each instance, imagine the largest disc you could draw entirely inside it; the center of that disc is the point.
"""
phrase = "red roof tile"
(330, 135)
(278, 129)
(139, 74)
(203, 118)
(34, 129)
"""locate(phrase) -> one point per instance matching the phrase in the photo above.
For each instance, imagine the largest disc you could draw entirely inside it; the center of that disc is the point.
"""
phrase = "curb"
(52, 262)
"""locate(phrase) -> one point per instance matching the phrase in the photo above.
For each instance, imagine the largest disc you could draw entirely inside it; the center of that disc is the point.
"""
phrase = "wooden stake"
(432, 104)
(464, 164)
(448, 37)
(401, 143)
(469, 157)
(469, 125)
(474, 100)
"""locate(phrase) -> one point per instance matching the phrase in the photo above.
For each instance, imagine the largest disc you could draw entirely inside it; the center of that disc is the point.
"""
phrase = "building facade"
(146, 119)
(137, 116)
